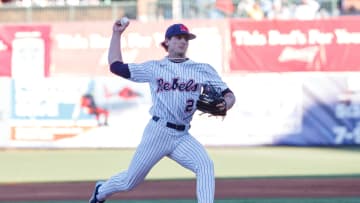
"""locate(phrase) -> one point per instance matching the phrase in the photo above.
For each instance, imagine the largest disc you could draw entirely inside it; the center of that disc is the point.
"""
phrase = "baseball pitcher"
(179, 87)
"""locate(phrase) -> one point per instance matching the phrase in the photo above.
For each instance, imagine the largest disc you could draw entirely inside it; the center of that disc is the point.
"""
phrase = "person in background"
(307, 10)
(89, 106)
(279, 11)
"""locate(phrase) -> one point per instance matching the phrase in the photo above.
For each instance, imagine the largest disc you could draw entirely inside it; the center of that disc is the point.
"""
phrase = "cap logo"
(183, 28)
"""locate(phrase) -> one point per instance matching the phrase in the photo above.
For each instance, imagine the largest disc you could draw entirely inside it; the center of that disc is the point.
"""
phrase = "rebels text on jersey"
(187, 86)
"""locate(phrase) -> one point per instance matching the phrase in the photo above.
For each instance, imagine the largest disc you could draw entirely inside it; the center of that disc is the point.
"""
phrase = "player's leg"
(192, 155)
(151, 149)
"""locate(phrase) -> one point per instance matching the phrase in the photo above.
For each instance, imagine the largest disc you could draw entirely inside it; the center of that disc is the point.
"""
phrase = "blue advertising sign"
(331, 111)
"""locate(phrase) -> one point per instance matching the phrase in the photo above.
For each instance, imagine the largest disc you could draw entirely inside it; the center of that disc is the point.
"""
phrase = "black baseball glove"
(210, 101)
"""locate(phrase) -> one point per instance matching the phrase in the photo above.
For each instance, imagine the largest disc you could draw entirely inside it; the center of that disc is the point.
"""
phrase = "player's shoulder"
(203, 67)
(199, 64)
(162, 61)
(150, 63)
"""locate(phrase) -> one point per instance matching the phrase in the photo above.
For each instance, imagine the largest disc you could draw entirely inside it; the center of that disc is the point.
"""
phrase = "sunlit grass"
(93, 164)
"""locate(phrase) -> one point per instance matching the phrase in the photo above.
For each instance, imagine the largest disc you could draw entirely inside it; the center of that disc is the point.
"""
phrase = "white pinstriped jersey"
(175, 87)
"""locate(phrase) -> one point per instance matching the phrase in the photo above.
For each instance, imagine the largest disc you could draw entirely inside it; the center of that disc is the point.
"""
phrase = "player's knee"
(207, 166)
(210, 165)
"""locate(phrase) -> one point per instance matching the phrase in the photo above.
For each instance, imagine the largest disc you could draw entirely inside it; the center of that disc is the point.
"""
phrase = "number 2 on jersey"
(189, 105)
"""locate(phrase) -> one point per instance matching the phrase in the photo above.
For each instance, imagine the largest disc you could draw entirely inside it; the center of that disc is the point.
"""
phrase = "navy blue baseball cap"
(178, 29)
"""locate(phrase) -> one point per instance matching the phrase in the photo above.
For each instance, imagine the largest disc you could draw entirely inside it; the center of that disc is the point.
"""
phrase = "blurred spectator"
(280, 10)
(192, 9)
(323, 13)
(164, 10)
(200, 8)
(213, 12)
(88, 105)
(255, 11)
(250, 9)
(226, 7)
(208, 9)
(306, 10)
(193, 12)
(5, 1)
(44, 3)
(266, 6)
(160, 13)
(349, 7)
(241, 8)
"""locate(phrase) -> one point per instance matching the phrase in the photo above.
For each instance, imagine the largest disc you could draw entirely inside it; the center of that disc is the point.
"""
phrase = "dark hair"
(163, 44)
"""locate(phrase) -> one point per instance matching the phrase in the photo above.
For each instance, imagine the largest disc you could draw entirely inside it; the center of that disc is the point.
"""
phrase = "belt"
(171, 125)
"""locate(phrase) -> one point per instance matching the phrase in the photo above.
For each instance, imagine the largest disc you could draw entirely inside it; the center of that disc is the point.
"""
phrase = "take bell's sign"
(288, 45)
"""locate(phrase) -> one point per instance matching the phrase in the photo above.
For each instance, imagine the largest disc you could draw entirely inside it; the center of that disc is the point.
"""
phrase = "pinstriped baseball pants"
(157, 142)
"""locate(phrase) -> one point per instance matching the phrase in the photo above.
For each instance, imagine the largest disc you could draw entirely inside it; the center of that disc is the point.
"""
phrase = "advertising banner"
(331, 111)
(80, 48)
(302, 109)
(288, 45)
(75, 112)
(24, 50)
(5, 95)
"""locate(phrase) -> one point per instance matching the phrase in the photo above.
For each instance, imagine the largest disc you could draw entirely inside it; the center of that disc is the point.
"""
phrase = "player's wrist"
(229, 100)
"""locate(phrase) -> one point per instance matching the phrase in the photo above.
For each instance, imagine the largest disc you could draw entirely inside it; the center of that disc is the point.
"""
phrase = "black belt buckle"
(171, 125)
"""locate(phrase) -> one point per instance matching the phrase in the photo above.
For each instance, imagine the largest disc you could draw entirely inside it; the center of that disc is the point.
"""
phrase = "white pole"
(176, 7)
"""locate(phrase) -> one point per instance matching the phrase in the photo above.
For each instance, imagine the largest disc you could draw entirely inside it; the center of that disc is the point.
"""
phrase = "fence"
(151, 10)
(11, 14)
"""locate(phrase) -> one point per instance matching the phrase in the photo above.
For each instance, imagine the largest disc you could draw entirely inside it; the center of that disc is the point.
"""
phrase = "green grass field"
(242, 162)
(29, 165)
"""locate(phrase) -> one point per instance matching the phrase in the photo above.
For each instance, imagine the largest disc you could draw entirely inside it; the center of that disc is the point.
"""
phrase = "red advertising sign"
(80, 48)
(5, 53)
(282, 46)
(24, 50)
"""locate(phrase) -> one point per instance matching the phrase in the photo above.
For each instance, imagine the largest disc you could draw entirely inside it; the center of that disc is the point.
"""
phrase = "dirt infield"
(185, 189)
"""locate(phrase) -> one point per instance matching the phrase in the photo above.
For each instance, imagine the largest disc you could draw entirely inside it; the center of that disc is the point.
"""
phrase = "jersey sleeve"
(213, 78)
(141, 72)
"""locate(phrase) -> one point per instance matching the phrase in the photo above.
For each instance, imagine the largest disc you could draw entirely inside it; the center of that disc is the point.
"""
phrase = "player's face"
(177, 45)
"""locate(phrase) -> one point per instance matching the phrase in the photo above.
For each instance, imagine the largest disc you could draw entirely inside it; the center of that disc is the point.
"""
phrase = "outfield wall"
(296, 84)
(272, 108)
